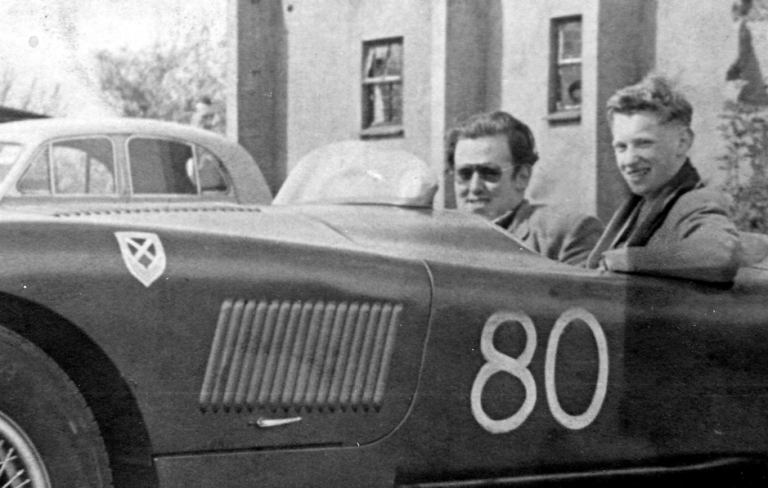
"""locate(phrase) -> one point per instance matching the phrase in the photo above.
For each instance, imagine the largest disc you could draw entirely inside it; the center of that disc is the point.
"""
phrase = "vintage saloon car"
(349, 335)
(122, 162)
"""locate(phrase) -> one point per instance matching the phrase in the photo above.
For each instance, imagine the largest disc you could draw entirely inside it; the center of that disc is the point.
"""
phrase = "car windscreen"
(358, 172)
(9, 153)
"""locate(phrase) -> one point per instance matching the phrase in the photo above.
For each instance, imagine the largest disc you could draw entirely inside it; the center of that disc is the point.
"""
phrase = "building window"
(383, 87)
(565, 86)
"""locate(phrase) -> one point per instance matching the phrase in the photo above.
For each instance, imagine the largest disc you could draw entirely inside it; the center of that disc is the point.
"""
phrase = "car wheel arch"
(97, 378)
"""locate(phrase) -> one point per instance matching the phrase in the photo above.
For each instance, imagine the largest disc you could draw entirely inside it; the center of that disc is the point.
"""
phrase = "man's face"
(204, 115)
(483, 177)
(648, 153)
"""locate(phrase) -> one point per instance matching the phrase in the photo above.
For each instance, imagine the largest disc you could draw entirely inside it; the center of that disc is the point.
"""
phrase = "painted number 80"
(498, 362)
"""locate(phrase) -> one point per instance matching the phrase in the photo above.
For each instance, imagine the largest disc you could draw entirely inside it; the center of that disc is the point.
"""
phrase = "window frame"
(389, 130)
(197, 149)
(48, 146)
(199, 195)
(566, 113)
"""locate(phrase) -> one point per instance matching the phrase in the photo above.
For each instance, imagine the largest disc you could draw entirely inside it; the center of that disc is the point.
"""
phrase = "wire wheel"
(20, 463)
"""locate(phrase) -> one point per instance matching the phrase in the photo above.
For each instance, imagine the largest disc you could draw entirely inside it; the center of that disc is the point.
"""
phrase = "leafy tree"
(745, 162)
(165, 80)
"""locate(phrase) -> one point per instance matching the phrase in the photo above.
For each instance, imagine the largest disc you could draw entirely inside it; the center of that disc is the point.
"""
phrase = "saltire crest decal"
(143, 255)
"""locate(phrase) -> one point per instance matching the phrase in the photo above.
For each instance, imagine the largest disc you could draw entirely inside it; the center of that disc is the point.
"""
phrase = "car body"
(365, 344)
(122, 162)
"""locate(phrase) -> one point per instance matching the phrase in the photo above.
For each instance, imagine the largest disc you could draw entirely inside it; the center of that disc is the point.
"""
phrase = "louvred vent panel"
(297, 356)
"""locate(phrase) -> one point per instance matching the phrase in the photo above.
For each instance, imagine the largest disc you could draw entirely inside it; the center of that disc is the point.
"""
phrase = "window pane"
(383, 84)
(565, 87)
(384, 104)
(161, 167)
(36, 180)
(8, 154)
(377, 61)
(395, 103)
(569, 82)
(83, 166)
(570, 40)
(210, 172)
(395, 60)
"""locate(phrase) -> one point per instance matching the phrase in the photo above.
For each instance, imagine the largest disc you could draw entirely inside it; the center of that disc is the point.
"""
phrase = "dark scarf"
(622, 229)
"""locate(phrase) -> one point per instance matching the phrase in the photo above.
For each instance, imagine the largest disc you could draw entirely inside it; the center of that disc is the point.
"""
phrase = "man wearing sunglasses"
(491, 156)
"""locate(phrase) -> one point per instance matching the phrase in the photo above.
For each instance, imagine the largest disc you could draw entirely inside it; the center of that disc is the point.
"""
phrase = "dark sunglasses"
(490, 174)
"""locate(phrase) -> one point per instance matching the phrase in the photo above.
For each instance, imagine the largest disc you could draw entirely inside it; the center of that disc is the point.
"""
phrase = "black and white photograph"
(383, 243)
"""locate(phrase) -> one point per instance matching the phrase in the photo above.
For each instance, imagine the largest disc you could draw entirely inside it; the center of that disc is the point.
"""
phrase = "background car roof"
(249, 182)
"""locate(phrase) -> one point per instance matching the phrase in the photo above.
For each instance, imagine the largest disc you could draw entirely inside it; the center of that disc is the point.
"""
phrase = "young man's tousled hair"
(653, 94)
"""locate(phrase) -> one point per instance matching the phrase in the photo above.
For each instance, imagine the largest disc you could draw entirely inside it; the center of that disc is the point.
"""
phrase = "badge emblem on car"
(143, 255)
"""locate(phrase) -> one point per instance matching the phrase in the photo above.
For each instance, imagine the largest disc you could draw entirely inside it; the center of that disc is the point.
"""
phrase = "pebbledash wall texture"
(398, 73)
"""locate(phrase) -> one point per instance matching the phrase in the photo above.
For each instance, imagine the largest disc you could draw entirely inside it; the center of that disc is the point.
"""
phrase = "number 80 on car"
(500, 363)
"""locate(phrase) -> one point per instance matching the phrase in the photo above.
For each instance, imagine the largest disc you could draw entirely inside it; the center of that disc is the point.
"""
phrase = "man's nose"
(627, 157)
(476, 183)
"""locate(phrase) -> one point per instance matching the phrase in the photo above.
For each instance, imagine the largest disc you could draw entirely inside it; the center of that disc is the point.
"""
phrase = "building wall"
(625, 53)
(257, 82)
(298, 69)
(473, 68)
(473, 52)
(565, 172)
(695, 44)
(322, 97)
(325, 66)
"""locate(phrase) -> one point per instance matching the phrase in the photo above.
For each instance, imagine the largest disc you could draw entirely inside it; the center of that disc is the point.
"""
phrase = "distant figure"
(746, 68)
(204, 116)
(491, 156)
(574, 92)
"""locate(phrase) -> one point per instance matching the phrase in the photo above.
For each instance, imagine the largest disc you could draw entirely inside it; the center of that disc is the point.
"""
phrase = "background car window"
(8, 154)
(210, 172)
(37, 178)
(83, 166)
(160, 166)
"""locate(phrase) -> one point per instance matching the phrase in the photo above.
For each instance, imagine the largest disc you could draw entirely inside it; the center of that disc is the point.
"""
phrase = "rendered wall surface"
(325, 53)
(565, 173)
(696, 43)
(256, 107)
(298, 68)
(625, 53)
(473, 66)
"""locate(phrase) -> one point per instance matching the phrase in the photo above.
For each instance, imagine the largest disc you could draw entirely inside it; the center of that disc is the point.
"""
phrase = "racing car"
(351, 335)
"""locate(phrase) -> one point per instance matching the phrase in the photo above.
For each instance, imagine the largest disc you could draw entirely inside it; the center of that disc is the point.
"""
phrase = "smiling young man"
(671, 224)
(491, 156)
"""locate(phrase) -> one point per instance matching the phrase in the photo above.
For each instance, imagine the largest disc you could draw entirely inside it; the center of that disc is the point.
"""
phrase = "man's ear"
(522, 178)
(685, 141)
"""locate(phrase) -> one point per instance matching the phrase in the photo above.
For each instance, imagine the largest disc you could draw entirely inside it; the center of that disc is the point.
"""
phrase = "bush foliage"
(745, 162)
(165, 80)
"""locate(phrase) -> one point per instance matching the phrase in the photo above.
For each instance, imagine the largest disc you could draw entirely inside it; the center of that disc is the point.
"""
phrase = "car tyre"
(48, 435)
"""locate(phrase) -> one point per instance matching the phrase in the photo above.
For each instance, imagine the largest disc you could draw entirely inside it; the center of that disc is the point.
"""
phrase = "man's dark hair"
(653, 94)
(522, 145)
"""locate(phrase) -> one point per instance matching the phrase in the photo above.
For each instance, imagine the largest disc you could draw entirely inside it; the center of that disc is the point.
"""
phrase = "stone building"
(397, 73)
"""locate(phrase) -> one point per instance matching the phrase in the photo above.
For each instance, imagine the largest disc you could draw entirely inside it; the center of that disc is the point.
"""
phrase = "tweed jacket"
(556, 233)
(696, 241)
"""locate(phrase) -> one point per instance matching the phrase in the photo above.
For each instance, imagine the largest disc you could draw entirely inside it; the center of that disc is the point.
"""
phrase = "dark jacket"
(557, 233)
